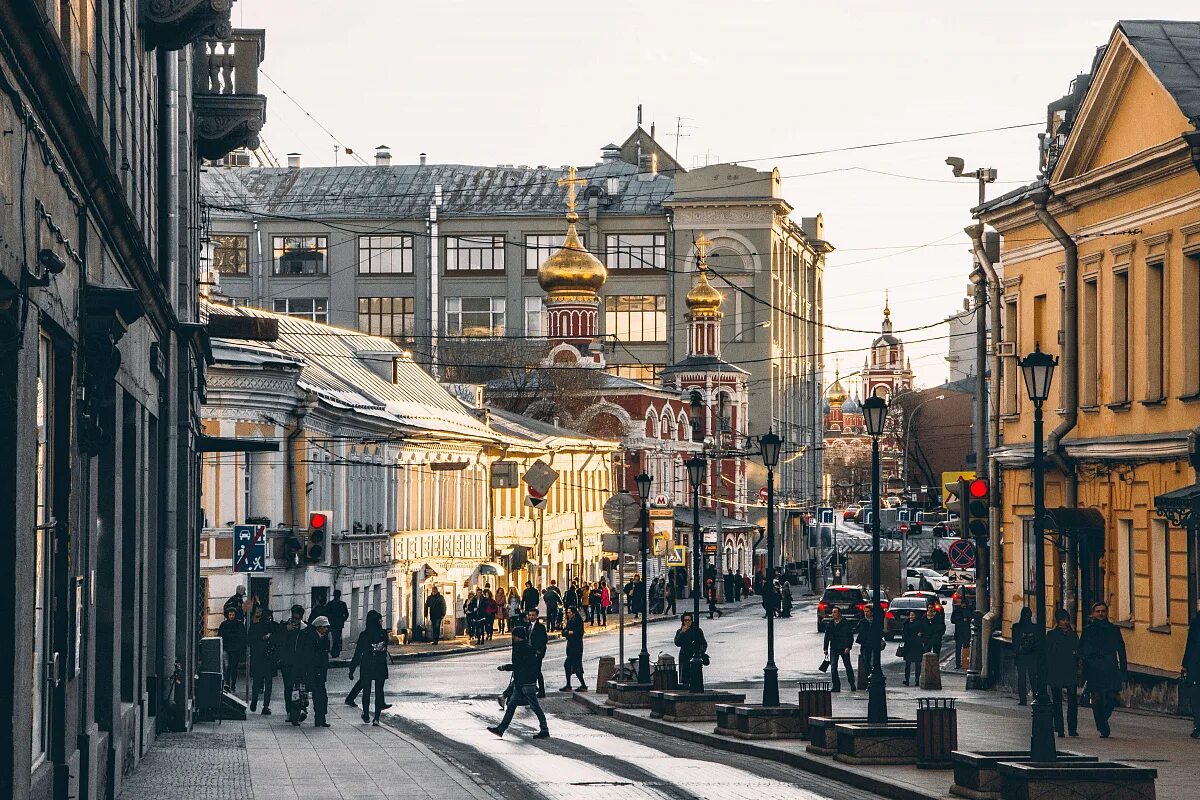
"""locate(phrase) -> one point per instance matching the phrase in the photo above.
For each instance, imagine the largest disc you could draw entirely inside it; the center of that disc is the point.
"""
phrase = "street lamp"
(1038, 371)
(875, 416)
(697, 468)
(769, 445)
(644, 482)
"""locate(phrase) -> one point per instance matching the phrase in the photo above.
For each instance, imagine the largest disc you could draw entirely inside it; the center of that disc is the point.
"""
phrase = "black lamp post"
(697, 468)
(644, 482)
(769, 445)
(875, 417)
(1038, 371)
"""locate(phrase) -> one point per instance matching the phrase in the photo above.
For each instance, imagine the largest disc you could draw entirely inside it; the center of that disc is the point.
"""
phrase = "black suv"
(851, 599)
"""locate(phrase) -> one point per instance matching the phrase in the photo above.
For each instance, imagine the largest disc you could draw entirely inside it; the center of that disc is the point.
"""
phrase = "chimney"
(383, 156)
(610, 154)
(422, 159)
(293, 160)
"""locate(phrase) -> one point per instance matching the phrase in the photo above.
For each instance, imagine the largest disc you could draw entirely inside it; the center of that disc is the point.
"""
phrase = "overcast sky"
(533, 82)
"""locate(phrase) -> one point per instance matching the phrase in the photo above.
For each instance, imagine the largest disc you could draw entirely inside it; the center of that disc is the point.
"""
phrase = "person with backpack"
(960, 618)
(371, 657)
(1024, 637)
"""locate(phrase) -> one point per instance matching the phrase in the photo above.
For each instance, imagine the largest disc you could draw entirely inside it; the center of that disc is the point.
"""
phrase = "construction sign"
(951, 478)
(677, 556)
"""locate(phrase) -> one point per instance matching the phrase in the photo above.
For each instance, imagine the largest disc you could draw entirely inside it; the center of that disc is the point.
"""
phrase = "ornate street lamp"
(769, 445)
(1038, 371)
(644, 482)
(874, 417)
(697, 468)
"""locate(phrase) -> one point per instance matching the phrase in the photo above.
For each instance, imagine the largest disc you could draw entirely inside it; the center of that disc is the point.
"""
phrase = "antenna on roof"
(639, 115)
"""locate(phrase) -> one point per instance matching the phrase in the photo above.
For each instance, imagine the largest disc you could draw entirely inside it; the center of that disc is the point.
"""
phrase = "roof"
(605, 383)
(1009, 198)
(684, 516)
(1171, 49)
(544, 434)
(335, 364)
(702, 364)
(405, 191)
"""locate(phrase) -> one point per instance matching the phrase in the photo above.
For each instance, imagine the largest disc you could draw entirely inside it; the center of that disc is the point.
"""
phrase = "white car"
(934, 580)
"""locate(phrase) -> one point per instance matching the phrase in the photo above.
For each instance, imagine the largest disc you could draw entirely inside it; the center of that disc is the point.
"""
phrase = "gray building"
(431, 253)
(106, 109)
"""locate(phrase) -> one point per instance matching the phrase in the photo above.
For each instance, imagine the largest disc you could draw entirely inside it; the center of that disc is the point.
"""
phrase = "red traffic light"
(978, 489)
(317, 520)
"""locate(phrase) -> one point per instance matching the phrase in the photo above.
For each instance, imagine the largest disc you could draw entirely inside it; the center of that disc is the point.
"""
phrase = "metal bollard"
(816, 700)
(937, 732)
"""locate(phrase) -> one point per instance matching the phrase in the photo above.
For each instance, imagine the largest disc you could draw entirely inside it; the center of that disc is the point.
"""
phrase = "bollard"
(931, 671)
(816, 700)
(937, 732)
(860, 678)
(605, 672)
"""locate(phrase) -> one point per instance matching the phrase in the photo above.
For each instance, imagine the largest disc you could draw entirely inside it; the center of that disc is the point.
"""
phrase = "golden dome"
(837, 394)
(702, 299)
(572, 271)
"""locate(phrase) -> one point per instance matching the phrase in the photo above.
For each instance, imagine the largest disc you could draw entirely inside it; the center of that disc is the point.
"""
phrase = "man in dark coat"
(914, 639)
(371, 657)
(530, 597)
(573, 665)
(691, 642)
(237, 602)
(264, 659)
(1024, 639)
(739, 583)
(233, 643)
(960, 618)
(538, 639)
(770, 601)
(316, 646)
(870, 645)
(554, 599)
(290, 654)
(1062, 671)
(435, 611)
(526, 670)
(1189, 673)
(729, 590)
(839, 638)
(935, 630)
(1102, 651)
(337, 612)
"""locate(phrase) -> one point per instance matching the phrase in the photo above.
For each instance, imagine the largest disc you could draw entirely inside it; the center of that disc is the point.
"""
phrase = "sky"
(534, 82)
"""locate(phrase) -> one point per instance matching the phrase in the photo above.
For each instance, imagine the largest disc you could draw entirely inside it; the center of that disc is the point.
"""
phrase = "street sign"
(661, 499)
(504, 475)
(539, 478)
(622, 512)
(824, 515)
(249, 548)
(762, 495)
(710, 537)
(677, 556)
(535, 502)
(710, 549)
(949, 478)
(961, 553)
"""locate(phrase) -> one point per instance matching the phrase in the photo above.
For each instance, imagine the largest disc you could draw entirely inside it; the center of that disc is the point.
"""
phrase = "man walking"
(236, 603)
(691, 643)
(530, 597)
(316, 667)
(538, 638)
(1102, 651)
(1189, 673)
(669, 597)
(337, 613)
(935, 630)
(870, 645)
(233, 644)
(553, 598)
(291, 655)
(961, 620)
(526, 670)
(435, 611)
(1024, 638)
(1062, 671)
(839, 638)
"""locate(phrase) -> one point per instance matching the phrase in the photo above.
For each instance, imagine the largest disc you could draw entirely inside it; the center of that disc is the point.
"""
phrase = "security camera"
(956, 164)
(51, 261)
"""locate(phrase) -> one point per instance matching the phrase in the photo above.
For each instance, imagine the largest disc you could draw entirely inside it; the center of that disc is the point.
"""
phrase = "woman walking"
(371, 656)
(490, 610)
(501, 609)
(573, 666)
(514, 608)
(264, 659)
(914, 645)
(596, 602)
(605, 602)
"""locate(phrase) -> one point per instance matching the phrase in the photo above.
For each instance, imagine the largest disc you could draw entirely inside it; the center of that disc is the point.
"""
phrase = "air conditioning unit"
(238, 158)
(1006, 349)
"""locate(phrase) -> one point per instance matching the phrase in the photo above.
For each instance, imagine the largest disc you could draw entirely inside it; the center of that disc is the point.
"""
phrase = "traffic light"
(977, 507)
(958, 505)
(317, 540)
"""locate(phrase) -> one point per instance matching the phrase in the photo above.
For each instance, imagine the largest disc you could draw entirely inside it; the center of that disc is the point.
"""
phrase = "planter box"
(768, 722)
(629, 694)
(864, 743)
(976, 776)
(1099, 780)
(683, 706)
(822, 736)
(726, 721)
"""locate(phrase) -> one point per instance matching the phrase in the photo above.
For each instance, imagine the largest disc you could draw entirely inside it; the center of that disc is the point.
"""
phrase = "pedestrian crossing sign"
(677, 556)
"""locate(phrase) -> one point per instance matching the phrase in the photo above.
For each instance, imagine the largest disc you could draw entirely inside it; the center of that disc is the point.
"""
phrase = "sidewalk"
(266, 758)
(986, 721)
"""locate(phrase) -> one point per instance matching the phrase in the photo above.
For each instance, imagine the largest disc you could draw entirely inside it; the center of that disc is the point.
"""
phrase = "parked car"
(897, 613)
(850, 513)
(924, 578)
(965, 591)
(851, 599)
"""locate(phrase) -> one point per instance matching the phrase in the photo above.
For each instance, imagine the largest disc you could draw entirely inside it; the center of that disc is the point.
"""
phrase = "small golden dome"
(837, 394)
(572, 271)
(703, 300)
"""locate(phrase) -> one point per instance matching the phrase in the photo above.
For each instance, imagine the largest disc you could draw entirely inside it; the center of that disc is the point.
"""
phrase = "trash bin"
(816, 700)
(605, 672)
(937, 732)
(665, 676)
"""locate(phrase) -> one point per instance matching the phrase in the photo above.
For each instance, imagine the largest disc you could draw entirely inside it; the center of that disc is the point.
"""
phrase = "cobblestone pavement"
(210, 763)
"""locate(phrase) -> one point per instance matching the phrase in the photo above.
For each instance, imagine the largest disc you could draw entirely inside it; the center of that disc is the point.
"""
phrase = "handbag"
(900, 651)
(824, 666)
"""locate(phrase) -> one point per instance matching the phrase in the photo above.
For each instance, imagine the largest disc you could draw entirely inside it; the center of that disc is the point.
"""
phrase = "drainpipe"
(306, 405)
(1070, 386)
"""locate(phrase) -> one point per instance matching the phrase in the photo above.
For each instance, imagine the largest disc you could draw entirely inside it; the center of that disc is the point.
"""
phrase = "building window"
(475, 316)
(647, 373)
(1191, 325)
(300, 255)
(1089, 377)
(1012, 378)
(474, 254)
(637, 251)
(385, 255)
(1160, 573)
(540, 246)
(1120, 338)
(1029, 556)
(1126, 577)
(636, 317)
(228, 254)
(1155, 344)
(535, 317)
(43, 499)
(315, 309)
(387, 316)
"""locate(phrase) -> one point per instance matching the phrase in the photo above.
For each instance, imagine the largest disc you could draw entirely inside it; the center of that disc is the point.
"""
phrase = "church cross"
(571, 182)
(702, 245)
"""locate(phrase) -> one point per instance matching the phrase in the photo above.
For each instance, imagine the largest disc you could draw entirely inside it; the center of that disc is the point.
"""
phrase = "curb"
(825, 768)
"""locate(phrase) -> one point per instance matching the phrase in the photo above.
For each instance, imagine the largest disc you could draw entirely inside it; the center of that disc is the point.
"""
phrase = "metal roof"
(544, 434)
(702, 364)
(1171, 49)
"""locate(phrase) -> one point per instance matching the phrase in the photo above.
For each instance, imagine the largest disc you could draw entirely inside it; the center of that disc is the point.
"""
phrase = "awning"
(487, 568)
(1180, 507)
(231, 444)
(1075, 521)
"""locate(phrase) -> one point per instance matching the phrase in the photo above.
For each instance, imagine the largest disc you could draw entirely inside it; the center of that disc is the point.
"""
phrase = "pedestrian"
(839, 638)
(656, 596)
(747, 586)
(786, 600)
(490, 610)
(553, 598)
(710, 592)
(538, 639)
(526, 670)
(1062, 671)
(514, 608)
(914, 645)
(691, 643)
(870, 644)
(501, 609)
(1189, 673)
(739, 586)
(669, 595)
(1102, 651)
(1024, 638)
(237, 602)
(571, 595)
(316, 648)
(435, 611)
(371, 658)
(637, 596)
(605, 602)
(337, 613)
(960, 618)
(529, 597)
(759, 583)
(473, 612)
(233, 645)
(728, 585)
(291, 658)
(770, 602)
(264, 659)
(935, 630)
(573, 665)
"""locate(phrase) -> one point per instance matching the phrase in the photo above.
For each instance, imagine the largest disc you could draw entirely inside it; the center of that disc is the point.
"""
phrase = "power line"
(296, 102)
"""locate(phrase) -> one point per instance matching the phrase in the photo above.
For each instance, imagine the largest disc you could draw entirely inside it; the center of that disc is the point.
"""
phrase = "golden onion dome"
(572, 271)
(703, 300)
(837, 394)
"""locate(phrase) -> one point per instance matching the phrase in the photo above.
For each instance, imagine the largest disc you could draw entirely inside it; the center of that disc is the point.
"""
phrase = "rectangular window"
(315, 309)
(1029, 556)
(387, 316)
(636, 317)
(1089, 372)
(229, 254)
(300, 255)
(535, 317)
(475, 316)
(1039, 322)
(1191, 325)
(1160, 572)
(1125, 570)
(1120, 338)
(647, 373)
(1012, 378)
(540, 246)
(1155, 344)
(474, 254)
(385, 255)
(637, 251)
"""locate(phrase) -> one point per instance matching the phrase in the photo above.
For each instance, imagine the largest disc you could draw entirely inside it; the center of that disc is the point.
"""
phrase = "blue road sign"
(824, 515)
(249, 548)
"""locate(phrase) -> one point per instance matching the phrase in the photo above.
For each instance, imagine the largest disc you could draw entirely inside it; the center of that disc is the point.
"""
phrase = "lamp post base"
(643, 667)
(877, 711)
(770, 686)
(697, 676)
(1041, 742)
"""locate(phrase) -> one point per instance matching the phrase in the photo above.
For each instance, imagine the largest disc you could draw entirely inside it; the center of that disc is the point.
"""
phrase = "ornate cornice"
(174, 24)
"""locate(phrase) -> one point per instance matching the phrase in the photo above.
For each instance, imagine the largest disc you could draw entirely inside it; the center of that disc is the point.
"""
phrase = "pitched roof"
(544, 434)
(1171, 49)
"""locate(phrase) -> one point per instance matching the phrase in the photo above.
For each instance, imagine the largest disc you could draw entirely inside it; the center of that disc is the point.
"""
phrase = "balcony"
(229, 110)
(173, 24)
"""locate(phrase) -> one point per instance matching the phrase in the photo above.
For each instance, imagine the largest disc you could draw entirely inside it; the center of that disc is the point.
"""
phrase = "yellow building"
(1122, 312)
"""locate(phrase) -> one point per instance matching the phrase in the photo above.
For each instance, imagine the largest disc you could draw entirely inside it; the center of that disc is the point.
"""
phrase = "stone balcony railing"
(229, 110)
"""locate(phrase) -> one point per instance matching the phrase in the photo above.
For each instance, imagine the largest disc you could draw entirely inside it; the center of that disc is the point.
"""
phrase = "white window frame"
(496, 312)
(390, 254)
(536, 319)
(476, 253)
(629, 251)
(280, 246)
(318, 313)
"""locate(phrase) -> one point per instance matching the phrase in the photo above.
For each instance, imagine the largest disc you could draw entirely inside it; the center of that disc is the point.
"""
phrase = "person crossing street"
(573, 665)
(526, 670)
